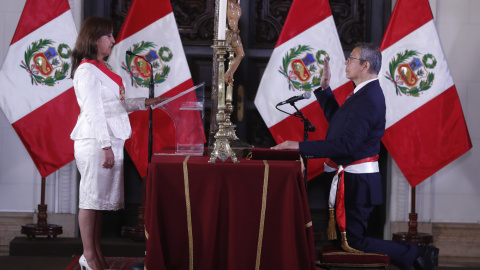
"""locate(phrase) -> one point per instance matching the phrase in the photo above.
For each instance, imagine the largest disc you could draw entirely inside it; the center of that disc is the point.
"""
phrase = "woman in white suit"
(101, 130)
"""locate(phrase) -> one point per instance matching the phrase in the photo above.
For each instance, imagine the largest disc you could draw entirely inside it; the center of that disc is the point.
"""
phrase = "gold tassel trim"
(332, 231)
(345, 245)
(146, 233)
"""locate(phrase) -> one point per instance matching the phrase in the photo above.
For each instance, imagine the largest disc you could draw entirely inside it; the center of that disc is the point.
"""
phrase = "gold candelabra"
(221, 146)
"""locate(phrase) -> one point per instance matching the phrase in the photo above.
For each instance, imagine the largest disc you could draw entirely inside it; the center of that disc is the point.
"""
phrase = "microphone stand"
(151, 94)
(307, 127)
(139, 229)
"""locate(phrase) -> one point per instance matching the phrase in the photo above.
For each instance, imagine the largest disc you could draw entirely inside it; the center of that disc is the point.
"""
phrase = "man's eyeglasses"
(359, 59)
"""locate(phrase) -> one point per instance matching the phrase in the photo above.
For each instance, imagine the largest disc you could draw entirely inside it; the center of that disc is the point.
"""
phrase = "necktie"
(349, 95)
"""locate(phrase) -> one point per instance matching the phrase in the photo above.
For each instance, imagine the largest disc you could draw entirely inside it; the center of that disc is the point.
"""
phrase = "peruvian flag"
(296, 65)
(150, 30)
(425, 128)
(36, 92)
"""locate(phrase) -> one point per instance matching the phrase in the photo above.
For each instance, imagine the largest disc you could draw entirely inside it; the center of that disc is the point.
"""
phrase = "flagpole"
(413, 236)
(42, 227)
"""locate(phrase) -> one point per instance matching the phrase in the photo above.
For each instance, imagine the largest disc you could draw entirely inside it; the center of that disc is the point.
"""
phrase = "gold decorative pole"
(221, 146)
(221, 149)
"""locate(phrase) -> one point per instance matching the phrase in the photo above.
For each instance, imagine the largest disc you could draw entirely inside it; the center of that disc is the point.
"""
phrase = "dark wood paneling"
(195, 19)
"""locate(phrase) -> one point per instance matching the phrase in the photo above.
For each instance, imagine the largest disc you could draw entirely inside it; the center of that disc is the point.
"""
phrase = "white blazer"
(102, 114)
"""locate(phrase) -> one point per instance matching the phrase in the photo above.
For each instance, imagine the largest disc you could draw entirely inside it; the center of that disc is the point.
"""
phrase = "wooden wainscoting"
(459, 243)
(10, 226)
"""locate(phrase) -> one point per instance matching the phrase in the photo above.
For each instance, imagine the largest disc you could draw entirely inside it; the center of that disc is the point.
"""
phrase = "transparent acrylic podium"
(187, 113)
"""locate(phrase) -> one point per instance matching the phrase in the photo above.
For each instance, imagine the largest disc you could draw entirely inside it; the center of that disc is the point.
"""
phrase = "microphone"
(305, 95)
(151, 66)
(131, 53)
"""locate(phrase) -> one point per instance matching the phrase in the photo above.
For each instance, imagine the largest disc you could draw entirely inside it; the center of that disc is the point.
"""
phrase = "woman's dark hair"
(86, 46)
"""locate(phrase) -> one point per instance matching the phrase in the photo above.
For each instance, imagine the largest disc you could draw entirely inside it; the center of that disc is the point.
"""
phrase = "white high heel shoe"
(83, 263)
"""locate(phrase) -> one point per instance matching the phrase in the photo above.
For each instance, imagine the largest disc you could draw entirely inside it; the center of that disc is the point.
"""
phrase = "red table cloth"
(248, 215)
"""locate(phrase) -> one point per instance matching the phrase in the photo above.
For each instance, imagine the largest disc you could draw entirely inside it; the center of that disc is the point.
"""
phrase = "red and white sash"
(337, 189)
(108, 77)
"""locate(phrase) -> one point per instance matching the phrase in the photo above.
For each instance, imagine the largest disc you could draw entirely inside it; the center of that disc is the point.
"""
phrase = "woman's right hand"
(108, 158)
(154, 101)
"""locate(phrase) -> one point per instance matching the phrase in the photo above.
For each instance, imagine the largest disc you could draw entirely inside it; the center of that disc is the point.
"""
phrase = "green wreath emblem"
(165, 55)
(169, 54)
(320, 60)
(62, 47)
(290, 56)
(59, 74)
(427, 57)
(424, 85)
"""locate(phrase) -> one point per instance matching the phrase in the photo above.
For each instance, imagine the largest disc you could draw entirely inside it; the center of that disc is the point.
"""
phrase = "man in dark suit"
(353, 136)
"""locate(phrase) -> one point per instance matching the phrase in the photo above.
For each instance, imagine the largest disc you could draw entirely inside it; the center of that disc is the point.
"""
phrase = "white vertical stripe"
(18, 96)
(274, 86)
(163, 33)
(424, 40)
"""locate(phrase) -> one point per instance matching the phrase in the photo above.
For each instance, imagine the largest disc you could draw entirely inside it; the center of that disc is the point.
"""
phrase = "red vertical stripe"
(37, 13)
(303, 14)
(141, 14)
(45, 132)
(407, 17)
(429, 138)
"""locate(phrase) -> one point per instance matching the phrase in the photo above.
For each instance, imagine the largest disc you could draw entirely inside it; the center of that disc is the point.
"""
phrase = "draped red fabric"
(225, 201)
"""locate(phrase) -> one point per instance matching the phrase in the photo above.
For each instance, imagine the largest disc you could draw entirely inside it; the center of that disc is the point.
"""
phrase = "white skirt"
(100, 188)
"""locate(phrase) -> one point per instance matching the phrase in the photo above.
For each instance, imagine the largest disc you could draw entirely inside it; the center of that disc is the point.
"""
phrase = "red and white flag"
(36, 92)
(425, 127)
(150, 30)
(307, 38)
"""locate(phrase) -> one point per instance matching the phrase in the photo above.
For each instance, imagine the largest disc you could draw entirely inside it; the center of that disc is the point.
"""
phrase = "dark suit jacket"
(354, 133)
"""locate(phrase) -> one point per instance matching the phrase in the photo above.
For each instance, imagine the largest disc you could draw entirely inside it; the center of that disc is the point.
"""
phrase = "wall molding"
(460, 240)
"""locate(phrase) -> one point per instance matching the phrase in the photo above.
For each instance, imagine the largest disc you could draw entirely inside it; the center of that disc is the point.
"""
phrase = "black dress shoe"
(427, 258)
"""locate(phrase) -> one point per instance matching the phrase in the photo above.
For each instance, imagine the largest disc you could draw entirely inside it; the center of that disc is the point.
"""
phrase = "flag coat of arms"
(425, 125)
(150, 31)
(36, 92)
(308, 37)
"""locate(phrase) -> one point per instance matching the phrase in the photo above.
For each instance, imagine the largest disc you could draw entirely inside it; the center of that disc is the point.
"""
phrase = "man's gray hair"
(371, 53)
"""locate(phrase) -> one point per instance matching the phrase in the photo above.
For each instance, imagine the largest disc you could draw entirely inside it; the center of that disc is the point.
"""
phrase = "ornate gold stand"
(221, 147)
